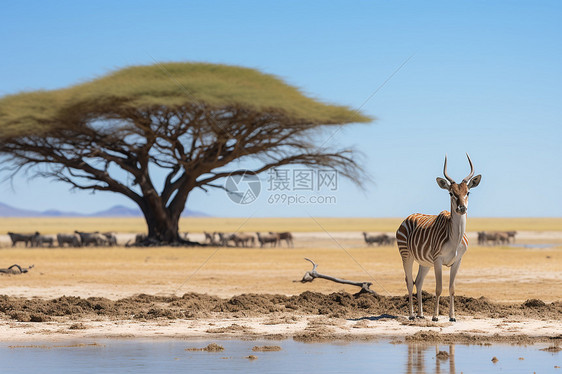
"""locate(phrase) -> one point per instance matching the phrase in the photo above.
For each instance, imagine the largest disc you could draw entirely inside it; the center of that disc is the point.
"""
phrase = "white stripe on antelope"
(434, 241)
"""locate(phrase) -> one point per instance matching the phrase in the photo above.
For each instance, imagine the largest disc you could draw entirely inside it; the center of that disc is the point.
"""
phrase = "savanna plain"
(508, 292)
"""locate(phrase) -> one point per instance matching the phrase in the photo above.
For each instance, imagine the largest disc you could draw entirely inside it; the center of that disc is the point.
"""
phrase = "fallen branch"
(309, 276)
(15, 269)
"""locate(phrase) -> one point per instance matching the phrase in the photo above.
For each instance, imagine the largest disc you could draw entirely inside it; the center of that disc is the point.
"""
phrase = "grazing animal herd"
(496, 237)
(273, 239)
(77, 239)
(220, 239)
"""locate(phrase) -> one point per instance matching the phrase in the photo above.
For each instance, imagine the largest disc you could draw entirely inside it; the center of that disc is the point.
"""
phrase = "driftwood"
(15, 269)
(309, 276)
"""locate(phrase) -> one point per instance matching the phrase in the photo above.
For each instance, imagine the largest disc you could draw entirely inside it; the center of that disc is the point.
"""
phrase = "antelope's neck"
(457, 227)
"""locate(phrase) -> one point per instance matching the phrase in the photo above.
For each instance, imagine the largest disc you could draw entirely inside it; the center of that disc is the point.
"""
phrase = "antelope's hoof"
(452, 320)
(421, 317)
(435, 319)
(411, 318)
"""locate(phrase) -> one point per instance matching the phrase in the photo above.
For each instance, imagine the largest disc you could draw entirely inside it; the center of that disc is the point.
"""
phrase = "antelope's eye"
(468, 193)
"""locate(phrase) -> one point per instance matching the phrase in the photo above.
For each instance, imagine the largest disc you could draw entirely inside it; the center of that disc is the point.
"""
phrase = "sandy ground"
(467, 330)
(495, 283)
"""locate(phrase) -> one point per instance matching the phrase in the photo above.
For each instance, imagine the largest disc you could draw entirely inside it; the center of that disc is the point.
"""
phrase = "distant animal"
(39, 240)
(511, 235)
(139, 238)
(210, 238)
(224, 238)
(382, 239)
(73, 240)
(111, 239)
(493, 237)
(272, 239)
(437, 240)
(286, 236)
(481, 237)
(26, 238)
(94, 238)
(244, 240)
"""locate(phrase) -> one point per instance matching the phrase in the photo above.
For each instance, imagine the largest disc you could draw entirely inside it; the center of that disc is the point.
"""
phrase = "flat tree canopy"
(189, 119)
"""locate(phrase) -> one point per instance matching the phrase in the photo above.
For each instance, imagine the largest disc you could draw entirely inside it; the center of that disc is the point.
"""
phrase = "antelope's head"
(459, 192)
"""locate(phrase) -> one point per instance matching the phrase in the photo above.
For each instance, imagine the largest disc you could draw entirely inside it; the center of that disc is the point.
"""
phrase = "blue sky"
(480, 77)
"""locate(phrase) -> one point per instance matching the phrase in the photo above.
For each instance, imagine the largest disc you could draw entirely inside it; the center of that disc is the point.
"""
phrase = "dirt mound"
(193, 305)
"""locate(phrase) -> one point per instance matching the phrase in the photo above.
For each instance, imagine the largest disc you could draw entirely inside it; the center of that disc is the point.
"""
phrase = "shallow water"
(155, 356)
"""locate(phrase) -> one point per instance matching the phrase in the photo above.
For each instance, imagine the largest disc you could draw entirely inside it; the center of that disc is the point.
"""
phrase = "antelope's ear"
(443, 183)
(474, 181)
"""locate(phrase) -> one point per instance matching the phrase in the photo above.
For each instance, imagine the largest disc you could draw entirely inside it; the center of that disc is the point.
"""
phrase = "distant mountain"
(118, 211)
(10, 211)
(115, 211)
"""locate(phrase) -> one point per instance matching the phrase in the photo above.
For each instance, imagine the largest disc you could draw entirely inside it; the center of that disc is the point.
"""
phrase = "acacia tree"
(190, 120)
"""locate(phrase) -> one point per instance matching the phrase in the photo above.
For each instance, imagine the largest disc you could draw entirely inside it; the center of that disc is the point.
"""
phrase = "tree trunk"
(162, 229)
(163, 221)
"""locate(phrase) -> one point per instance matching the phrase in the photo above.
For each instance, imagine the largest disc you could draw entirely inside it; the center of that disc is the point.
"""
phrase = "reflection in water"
(417, 354)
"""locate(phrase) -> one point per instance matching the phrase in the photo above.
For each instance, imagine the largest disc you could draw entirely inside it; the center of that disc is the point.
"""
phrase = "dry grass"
(499, 273)
(198, 225)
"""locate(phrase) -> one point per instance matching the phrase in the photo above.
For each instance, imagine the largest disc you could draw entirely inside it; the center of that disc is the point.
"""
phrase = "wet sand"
(308, 317)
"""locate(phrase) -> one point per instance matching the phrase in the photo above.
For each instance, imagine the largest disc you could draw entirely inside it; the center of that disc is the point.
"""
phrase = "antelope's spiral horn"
(465, 180)
(445, 172)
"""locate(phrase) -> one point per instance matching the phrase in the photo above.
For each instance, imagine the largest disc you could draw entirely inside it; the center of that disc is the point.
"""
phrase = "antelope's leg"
(422, 272)
(408, 264)
(452, 277)
(438, 287)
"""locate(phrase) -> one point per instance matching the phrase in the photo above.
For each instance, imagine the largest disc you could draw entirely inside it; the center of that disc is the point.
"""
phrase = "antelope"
(378, 239)
(437, 240)
(510, 235)
(271, 238)
(210, 238)
(225, 238)
(496, 237)
(286, 236)
(244, 239)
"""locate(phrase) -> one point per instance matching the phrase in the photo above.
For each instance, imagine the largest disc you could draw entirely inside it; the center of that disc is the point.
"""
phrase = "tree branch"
(309, 276)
